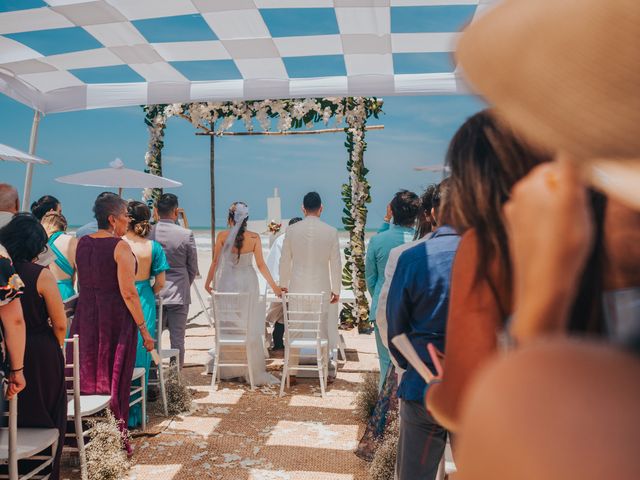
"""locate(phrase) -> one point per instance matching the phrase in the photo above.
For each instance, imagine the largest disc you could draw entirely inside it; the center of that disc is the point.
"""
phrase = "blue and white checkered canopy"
(63, 55)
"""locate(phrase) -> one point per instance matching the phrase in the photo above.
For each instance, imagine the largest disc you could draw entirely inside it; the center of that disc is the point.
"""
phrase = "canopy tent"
(67, 55)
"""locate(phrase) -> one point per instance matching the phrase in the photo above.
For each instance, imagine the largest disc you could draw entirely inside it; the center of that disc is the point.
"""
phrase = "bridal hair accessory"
(240, 212)
(575, 89)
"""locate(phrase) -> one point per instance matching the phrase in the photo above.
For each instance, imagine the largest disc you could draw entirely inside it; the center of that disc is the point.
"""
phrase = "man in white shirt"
(274, 314)
(310, 263)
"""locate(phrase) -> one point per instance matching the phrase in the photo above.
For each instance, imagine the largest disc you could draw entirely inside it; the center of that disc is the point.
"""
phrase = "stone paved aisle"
(234, 433)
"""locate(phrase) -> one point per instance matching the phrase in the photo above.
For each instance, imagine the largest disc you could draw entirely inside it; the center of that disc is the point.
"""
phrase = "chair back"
(159, 323)
(303, 315)
(12, 431)
(74, 367)
(230, 314)
(70, 305)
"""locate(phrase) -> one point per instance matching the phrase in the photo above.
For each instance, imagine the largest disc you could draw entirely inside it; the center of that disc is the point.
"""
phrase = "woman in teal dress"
(152, 263)
(63, 247)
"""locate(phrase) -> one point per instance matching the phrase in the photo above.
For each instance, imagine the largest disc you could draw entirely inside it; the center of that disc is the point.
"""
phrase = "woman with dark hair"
(43, 403)
(232, 268)
(486, 159)
(45, 204)
(152, 263)
(64, 247)
(109, 309)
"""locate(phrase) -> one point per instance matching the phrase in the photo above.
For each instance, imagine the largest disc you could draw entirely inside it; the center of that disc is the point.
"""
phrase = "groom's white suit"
(310, 263)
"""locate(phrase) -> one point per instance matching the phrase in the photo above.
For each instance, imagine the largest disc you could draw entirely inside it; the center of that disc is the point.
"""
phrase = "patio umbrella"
(118, 177)
(11, 154)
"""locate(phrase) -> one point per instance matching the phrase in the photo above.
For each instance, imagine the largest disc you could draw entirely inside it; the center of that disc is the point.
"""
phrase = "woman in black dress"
(43, 403)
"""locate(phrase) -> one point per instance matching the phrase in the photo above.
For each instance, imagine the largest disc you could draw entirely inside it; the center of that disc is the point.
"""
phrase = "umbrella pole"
(33, 140)
(120, 191)
(212, 176)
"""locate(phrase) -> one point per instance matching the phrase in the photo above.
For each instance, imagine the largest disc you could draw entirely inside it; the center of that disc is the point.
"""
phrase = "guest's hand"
(284, 289)
(550, 236)
(16, 383)
(437, 357)
(277, 290)
(148, 342)
(208, 286)
(335, 297)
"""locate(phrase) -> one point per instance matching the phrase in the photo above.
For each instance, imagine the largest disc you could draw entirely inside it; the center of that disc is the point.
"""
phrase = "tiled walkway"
(234, 433)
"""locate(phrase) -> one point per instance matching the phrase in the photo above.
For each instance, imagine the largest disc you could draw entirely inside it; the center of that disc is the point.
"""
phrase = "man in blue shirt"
(404, 209)
(417, 306)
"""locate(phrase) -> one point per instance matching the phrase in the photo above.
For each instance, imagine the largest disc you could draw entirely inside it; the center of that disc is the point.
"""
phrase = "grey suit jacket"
(180, 247)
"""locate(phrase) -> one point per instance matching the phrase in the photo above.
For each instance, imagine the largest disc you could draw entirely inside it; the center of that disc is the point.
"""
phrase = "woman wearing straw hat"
(565, 74)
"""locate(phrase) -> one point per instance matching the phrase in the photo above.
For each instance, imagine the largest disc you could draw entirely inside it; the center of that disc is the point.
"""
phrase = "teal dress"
(159, 264)
(65, 286)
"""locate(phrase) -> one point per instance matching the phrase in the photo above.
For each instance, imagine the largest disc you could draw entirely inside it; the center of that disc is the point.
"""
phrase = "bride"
(233, 271)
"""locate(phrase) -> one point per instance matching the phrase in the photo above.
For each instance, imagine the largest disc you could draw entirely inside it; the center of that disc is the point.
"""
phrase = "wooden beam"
(294, 132)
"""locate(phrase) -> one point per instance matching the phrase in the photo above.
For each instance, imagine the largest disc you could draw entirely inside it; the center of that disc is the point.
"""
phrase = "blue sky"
(417, 131)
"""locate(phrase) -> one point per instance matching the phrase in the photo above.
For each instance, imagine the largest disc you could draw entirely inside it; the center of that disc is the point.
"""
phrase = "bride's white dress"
(239, 275)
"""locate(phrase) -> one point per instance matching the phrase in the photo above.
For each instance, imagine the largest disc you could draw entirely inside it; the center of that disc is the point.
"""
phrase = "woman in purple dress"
(43, 403)
(108, 314)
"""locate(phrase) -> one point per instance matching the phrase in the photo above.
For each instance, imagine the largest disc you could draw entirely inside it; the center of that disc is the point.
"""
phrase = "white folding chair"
(303, 314)
(139, 374)
(230, 319)
(80, 407)
(206, 309)
(170, 354)
(26, 444)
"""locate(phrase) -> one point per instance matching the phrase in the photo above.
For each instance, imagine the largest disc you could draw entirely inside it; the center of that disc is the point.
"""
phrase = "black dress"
(43, 403)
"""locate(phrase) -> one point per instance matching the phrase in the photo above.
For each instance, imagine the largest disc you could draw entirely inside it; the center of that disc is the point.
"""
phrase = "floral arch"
(218, 117)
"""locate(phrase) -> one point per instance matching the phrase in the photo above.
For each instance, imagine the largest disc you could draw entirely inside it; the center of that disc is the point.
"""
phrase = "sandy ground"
(236, 433)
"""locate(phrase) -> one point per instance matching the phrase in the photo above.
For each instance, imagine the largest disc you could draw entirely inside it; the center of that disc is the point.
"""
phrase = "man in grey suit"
(180, 247)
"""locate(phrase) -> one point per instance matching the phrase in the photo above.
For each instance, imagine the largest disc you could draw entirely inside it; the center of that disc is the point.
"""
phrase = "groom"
(310, 263)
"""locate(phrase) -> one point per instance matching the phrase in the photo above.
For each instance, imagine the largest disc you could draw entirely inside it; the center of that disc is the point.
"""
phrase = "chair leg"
(144, 401)
(216, 362)
(285, 371)
(246, 351)
(80, 441)
(320, 364)
(176, 368)
(163, 390)
(341, 347)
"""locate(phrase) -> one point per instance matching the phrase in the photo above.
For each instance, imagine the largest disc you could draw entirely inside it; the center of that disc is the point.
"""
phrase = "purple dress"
(108, 334)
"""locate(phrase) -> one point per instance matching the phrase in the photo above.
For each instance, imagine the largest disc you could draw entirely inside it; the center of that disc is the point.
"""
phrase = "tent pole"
(33, 140)
(212, 176)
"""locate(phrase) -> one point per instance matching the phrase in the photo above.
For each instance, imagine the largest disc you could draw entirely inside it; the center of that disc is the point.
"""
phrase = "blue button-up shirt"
(377, 255)
(418, 303)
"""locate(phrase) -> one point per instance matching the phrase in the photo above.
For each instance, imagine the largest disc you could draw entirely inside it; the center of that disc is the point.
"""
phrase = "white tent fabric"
(118, 177)
(11, 154)
(68, 55)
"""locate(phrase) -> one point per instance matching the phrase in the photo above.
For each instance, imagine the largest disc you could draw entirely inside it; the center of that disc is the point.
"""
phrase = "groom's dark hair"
(312, 202)
(166, 203)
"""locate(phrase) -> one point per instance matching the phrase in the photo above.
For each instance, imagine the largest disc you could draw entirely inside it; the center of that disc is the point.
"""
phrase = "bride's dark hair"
(243, 228)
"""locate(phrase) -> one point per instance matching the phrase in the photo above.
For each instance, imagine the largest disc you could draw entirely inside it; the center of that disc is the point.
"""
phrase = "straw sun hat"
(567, 74)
